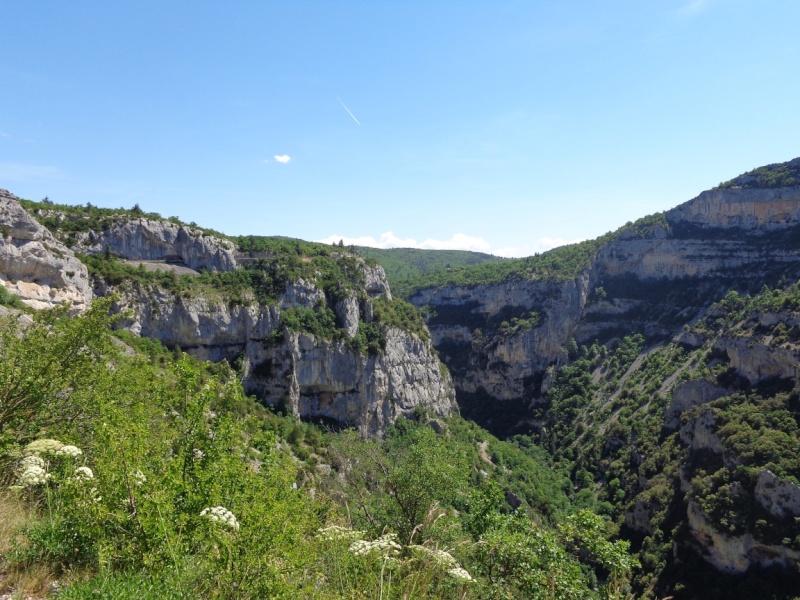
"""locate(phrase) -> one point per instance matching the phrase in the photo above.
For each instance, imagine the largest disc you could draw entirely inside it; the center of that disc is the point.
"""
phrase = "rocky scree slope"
(325, 350)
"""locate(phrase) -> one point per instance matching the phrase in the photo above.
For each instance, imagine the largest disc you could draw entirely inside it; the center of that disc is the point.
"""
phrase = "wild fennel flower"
(43, 446)
(337, 532)
(220, 514)
(385, 545)
(139, 478)
(460, 573)
(71, 451)
(84, 474)
(33, 475)
(31, 461)
(440, 557)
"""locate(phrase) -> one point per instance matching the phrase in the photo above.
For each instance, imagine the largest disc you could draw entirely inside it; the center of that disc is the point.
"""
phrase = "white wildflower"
(71, 451)
(31, 461)
(95, 495)
(139, 478)
(337, 532)
(460, 573)
(440, 557)
(33, 475)
(220, 514)
(84, 474)
(43, 446)
(385, 545)
(198, 453)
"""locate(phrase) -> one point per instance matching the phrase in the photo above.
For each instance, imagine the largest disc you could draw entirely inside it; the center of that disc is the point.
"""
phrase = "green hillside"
(405, 266)
(138, 472)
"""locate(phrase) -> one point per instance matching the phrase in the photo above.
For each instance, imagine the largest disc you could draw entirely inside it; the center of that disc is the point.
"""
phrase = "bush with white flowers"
(385, 545)
(84, 474)
(33, 475)
(71, 451)
(220, 514)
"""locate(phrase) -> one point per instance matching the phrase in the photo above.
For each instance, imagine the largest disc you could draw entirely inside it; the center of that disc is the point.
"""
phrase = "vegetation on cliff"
(269, 264)
(147, 474)
(559, 264)
(611, 424)
(776, 175)
(404, 266)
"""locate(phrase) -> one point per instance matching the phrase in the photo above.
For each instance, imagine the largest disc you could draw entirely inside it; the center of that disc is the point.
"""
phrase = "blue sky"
(505, 127)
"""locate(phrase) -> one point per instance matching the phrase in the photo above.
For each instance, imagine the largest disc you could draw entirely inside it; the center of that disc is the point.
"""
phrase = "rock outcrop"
(34, 265)
(781, 498)
(765, 209)
(689, 394)
(656, 276)
(312, 378)
(736, 554)
(146, 239)
(326, 380)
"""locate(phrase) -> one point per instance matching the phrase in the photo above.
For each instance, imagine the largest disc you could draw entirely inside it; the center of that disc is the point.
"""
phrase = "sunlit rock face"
(310, 377)
(145, 239)
(326, 380)
(736, 554)
(34, 265)
(654, 280)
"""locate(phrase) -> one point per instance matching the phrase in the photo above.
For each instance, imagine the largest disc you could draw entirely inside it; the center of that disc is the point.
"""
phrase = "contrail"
(348, 111)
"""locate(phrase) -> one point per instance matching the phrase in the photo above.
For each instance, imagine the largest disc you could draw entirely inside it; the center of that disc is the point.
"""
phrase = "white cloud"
(459, 241)
(543, 244)
(282, 158)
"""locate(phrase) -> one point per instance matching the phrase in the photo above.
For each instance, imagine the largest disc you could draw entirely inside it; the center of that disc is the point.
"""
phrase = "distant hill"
(405, 266)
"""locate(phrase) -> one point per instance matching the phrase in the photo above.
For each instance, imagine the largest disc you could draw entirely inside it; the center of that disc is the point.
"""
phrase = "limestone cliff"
(147, 239)
(311, 377)
(653, 276)
(321, 379)
(367, 379)
(34, 265)
(691, 437)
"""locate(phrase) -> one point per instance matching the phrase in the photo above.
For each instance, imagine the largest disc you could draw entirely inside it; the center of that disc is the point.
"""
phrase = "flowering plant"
(220, 514)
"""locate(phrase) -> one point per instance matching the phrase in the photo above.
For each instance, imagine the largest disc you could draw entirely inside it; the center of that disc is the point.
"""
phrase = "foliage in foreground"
(156, 477)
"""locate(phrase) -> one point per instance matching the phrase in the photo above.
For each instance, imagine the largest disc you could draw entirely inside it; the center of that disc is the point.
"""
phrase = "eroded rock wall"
(312, 378)
(34, 265)
(145, 239)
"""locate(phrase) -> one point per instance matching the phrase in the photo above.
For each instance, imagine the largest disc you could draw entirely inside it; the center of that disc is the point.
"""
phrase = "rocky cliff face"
(326, 380)
(311, 377)
(34, 265)
(652, 277)
(487, 364)
(680, 441)
(145, 239)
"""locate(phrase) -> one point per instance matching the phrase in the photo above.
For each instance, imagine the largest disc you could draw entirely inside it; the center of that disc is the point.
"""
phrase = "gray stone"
(34, 265)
